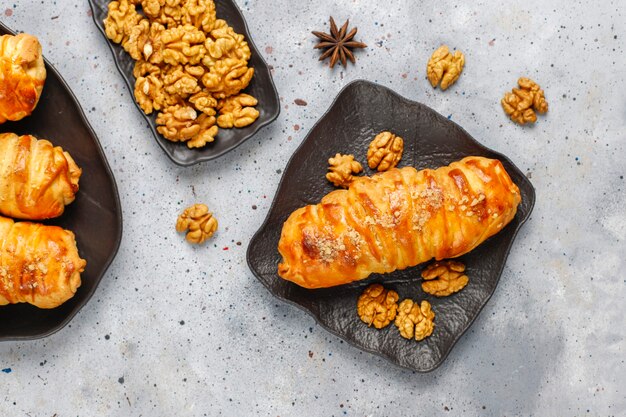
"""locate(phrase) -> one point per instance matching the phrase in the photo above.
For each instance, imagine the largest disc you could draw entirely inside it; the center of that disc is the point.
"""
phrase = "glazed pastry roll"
(37, 180)
(39, 264)
(395, 220)
(22, 76)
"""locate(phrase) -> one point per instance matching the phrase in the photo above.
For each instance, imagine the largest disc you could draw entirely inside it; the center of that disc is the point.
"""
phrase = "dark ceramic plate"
(362, 110)
(95, 216)
(262, 87)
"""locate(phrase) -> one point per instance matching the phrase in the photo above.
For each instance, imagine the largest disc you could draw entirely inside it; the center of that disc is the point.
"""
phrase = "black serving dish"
(361, 110)
(95, 216)
(261, 87)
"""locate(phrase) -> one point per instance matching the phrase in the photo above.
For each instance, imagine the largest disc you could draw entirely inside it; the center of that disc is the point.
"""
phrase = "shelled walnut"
(342, 169)
(183, 45)
(200, 13)
(377, 306)
(178, 82)
(188, 62)
(385, 151)
(224, 42)
(444, 67)
(414, 320)
(237, 111)
(182, 124)
(523, 103)
(120, 20)
(198, 222)
(444, 278)
(227, 77)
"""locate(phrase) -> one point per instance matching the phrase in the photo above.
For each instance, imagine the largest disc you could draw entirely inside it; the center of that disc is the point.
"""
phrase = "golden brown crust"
(22, 76)
(395, 220)
(37, 180)
(39, 264)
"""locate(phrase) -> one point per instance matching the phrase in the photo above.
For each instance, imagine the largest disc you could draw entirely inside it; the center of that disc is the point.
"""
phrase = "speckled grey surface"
(176, 330)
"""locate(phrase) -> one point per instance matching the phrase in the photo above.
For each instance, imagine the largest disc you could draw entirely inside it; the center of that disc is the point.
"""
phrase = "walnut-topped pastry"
(377, 306)
(23, 73)
(444, 278)
(342, 169)
(415, 320)
(385, 151)
(523, 103)
(198, 222)
(394, 220)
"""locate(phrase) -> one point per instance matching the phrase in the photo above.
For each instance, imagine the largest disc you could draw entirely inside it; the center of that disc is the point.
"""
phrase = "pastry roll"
(39, 264)
(22, 75)
(395, 220)
(37, 180)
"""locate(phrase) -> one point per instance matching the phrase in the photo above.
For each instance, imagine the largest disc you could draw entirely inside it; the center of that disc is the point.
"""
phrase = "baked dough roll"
(37, 180)
(396, 220)
(22, 76)
(39, 264)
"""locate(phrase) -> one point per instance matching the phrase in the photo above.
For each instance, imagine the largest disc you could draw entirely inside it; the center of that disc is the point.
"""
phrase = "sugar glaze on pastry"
(395, 220)
(37, 179)
(39, 264)
(22, 76)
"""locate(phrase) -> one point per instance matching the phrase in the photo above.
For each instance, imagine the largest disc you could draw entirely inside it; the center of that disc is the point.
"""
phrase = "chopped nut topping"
(522, 103)
(427, 201)
(198, 222)
(444, 67)
(342, 168)
(444, 278)
(377, 306)
(385, 151)
(237, 111)
(414, 320)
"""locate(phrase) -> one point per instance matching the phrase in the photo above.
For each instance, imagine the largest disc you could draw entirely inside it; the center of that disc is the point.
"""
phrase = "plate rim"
(116, 200)
(352, 343)
(155, 134)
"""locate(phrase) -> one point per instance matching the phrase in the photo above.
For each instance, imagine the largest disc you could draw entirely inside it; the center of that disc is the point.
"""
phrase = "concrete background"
(174, 330)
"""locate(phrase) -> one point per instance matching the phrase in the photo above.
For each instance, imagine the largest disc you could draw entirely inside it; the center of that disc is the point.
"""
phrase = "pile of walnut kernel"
(191, 66)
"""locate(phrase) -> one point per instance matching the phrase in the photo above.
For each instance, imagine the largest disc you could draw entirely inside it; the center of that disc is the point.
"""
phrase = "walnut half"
(522, 103)
(182, 124)
(237, 111)
(445, 67)
(415, 320)
(377, 306)
(385, 151)
(198, 222)
(444, 278)
(342, 169)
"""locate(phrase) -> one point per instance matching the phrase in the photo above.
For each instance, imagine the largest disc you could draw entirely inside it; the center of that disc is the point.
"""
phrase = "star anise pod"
(338, 43)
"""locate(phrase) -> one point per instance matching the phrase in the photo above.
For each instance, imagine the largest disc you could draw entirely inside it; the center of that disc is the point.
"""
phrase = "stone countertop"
(180, 330)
